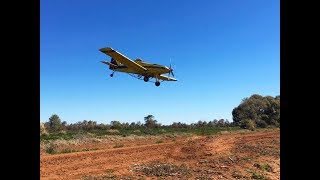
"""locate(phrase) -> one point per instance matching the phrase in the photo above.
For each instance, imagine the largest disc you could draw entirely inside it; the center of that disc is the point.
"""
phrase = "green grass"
(138, 131)
(54, 136)
(68, 151)
(159, 141)
(51, 149)
(265, 167)
(257, 175)
(73, 150)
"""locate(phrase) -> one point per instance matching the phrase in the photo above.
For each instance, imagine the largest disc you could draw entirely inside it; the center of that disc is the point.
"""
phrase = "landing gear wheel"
(146, 79)
(157, 83)
(111, 75)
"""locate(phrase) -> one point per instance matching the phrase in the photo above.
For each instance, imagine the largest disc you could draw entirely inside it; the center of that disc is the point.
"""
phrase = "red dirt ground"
(236, 155)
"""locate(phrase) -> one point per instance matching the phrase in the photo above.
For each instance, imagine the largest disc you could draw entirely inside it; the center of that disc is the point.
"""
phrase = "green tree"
(261, 110)
(150, 122)
(220, 123)
(55, 123)
(116, 124)
(273, 110)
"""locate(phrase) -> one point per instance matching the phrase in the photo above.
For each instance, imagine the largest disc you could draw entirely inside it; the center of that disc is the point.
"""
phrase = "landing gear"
(146, 79)
(111, 75)
(157, 83)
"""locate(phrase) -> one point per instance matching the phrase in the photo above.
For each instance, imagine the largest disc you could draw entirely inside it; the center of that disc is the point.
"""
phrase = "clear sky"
(222, 51)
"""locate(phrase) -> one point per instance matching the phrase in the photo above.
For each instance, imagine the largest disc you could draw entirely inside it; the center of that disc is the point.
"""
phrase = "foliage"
(55, 123)
(87, 125)
(51, 149)
(258, 109)
(143, 131)
(265, 167)
(261, 124)
(257, 175)
(248, 124)
(43, 130)
(150, 122)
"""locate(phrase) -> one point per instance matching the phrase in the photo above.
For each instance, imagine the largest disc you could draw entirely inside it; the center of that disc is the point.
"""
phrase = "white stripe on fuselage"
(150, 70)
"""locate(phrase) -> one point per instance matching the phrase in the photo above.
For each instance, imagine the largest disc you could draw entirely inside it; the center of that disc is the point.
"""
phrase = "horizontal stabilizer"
(107, 63)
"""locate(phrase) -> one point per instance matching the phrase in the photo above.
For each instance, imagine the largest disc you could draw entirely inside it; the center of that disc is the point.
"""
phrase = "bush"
(51, 149)
(262, 124)
(43, 130)
(248, 124)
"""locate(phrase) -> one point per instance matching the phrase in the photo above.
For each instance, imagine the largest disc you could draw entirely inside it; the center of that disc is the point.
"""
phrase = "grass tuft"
(162, 169)
(118, 146)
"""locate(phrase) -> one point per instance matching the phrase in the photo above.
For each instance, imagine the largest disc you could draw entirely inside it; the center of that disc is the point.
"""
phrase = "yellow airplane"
(137, 67)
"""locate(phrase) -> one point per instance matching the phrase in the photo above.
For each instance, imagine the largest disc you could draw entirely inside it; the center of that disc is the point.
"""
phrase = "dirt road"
(223, 156)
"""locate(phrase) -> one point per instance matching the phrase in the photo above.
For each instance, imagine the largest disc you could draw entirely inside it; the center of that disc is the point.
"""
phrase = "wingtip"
(106, 49)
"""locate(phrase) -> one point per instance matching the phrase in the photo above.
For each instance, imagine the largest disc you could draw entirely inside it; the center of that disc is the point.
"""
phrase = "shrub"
(262, 124)
(51, 149)
(248, 124)
(43, 130)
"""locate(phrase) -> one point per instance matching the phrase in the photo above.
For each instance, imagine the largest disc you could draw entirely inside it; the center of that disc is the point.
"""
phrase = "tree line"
(56, 125)
(256, 111)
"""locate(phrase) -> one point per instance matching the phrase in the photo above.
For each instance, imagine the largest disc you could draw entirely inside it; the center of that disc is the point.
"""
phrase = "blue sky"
(221, 51)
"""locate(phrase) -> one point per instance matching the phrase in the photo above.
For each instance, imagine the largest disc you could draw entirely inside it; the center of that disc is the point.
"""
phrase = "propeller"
(171, 69)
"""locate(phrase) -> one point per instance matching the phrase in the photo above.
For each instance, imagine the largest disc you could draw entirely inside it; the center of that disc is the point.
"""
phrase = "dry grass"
(265, 167)
(118, 146)
(43, 130)
(162, 169)
(113, 131)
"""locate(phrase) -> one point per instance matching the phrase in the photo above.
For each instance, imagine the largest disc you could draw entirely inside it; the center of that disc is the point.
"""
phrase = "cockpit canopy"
(138, 60)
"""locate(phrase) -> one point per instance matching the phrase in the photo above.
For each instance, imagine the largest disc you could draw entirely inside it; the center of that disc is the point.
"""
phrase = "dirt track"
(223, 156)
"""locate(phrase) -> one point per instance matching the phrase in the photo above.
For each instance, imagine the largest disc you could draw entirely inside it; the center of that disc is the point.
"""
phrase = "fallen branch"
(231, 159)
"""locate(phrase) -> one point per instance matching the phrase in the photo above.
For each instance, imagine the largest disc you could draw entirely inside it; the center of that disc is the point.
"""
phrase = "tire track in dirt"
(75, 165)
(120, 160)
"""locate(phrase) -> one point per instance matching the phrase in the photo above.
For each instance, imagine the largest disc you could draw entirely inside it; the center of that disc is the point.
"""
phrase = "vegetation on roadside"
(257, 111)
(254, 112)
(257, 175)
(118, 146)
(160, 169)
(167, 131)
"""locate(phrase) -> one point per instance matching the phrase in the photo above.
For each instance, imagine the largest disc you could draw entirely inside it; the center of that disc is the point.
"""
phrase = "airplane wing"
(123, 59)
(166, 78)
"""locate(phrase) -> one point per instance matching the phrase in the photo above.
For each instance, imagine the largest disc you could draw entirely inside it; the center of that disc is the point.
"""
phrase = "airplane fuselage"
(152, 68)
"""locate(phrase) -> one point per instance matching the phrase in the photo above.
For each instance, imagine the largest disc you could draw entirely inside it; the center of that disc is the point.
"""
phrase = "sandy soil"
(237, 155)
